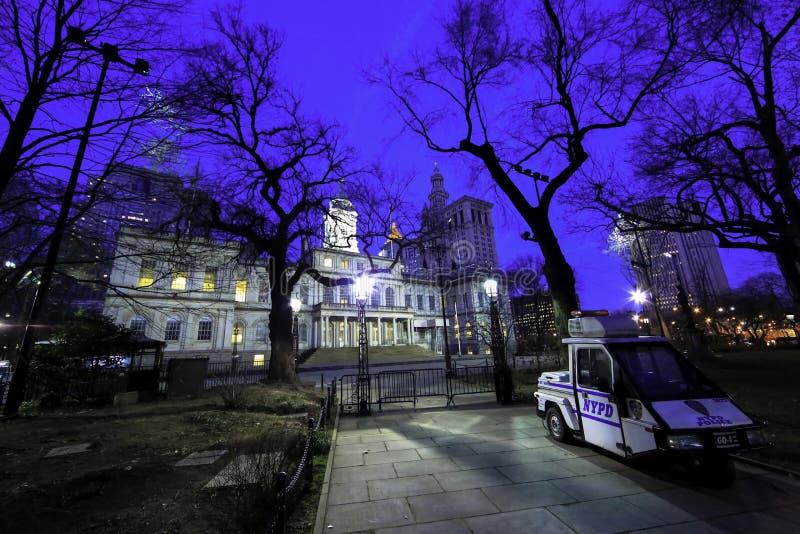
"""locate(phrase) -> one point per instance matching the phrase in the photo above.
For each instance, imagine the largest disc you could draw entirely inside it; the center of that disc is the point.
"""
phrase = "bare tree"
(279, 167)
(723, 145)
(582, 70)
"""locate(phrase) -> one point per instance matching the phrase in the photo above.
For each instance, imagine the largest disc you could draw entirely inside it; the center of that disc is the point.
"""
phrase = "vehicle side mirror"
(603, 384)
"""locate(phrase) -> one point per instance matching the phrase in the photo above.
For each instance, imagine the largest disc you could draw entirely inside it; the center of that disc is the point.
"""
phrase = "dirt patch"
(128, 481)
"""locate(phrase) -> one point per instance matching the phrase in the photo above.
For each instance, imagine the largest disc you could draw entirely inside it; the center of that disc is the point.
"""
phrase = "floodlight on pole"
(502, 374)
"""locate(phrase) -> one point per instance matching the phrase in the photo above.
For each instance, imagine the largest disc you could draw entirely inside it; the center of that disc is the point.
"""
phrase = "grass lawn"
(765, 383)
(128, 482)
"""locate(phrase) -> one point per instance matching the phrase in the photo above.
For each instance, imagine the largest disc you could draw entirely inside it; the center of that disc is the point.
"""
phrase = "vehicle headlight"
(755, 437)
(684, 441)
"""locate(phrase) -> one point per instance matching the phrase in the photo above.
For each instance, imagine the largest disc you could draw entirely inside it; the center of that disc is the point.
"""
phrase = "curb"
(322, 507)
(769, 467)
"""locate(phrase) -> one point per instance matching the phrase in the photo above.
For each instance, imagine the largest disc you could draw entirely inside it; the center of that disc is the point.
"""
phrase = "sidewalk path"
(488, 468)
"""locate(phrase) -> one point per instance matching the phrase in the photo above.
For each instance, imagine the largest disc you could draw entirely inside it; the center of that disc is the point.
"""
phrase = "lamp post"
(295, 304)
(448, 361)
(503, 384)
(363, 393)
(110, 54)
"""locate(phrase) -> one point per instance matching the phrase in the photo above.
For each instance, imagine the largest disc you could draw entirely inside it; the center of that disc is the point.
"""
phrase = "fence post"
(322, 381)
(280, 516)
(310, 457)
(328, 406)
(322, 413)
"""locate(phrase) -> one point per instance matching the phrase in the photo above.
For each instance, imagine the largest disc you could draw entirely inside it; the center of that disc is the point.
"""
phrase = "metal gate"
(409, 385)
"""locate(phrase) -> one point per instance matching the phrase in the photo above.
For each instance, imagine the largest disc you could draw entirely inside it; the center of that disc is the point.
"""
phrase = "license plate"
(726, 439)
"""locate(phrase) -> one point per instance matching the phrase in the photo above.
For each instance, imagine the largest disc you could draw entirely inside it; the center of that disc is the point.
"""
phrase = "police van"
(634, 395)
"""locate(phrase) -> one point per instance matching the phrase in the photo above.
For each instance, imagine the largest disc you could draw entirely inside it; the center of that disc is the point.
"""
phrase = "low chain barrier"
(289, 489)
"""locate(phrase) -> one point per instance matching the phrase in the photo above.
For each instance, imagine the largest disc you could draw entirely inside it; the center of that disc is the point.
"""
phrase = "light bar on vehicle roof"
(589, 313)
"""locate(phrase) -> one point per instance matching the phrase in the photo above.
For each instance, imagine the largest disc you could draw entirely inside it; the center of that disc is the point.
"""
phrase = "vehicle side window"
(592, 365)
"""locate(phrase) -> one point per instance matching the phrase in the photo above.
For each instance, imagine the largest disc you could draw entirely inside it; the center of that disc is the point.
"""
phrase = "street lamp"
(502, 374)
(363, 393)
(110, 54)
(295, 304)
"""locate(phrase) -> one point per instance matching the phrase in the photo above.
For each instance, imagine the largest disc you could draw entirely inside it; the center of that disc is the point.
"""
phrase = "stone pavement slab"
(201, 458)
(68, 450)
(493, 469)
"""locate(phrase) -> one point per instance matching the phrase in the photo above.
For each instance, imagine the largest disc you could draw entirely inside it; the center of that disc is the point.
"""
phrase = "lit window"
(345, 264)
(204, 329)
(344, 295)
(327, 262)
(138, 325)
(147, 273)
(241, 290)
(179, 277)
(172, 330)
(258, 360)
(210, 279)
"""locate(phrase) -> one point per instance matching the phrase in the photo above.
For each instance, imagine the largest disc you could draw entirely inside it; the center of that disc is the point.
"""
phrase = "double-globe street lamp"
(503, 382)
(363, 393)
(110, 54)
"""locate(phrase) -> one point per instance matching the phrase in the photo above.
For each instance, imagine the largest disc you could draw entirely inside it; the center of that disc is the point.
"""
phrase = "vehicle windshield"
(659, 373)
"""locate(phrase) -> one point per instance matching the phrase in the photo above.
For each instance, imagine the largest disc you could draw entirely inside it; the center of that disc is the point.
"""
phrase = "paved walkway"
(493, 469)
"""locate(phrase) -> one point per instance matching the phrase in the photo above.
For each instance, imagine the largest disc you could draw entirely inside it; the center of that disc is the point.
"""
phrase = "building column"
(324, 328)
(394, 330)
(410, 328)
(379, 330)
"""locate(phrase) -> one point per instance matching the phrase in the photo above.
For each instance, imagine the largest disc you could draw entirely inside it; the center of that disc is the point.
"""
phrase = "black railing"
(409, 385)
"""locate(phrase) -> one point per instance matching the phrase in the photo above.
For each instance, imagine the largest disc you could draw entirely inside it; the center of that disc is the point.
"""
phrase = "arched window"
(375, 298)
(172, 329)
(303, 333)
(389, 296)
(344, 294)
(204, 327)
(261, 332)
(138, 325)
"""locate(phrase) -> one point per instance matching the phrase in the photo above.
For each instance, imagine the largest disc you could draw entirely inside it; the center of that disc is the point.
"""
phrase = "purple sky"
(326, 48)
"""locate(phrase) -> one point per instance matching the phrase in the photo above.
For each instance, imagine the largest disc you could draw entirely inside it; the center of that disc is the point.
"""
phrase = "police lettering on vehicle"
(598, 408)
(711, 420)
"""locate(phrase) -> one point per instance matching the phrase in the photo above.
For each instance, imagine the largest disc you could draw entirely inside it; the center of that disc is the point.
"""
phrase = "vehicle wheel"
(556, 425)
(717, 471)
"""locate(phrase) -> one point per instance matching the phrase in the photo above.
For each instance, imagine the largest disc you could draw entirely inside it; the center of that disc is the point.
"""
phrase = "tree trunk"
(560, 280)
(790, 269)
(281, 359)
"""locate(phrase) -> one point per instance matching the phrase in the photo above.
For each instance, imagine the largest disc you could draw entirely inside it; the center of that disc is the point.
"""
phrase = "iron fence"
(410, 385)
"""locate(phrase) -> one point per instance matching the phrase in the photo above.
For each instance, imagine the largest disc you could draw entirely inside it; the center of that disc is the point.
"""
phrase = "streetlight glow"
(638, 296)
(295, 303)
(490, 286)
(363, 287)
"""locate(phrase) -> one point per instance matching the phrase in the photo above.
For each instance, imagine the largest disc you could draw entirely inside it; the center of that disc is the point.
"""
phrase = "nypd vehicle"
(634, 395)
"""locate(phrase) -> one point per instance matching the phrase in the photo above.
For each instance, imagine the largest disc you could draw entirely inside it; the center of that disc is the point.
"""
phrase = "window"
(172, 330)
(467, 302)
(431, 302)
(147, 273)
(593, 364)
(344, 264)
(241, 291)
(419, 302)
(304, 294)
(138, 325)
(261, 332)
(344, 294)
(375, 297)
(204, 329)
(179, 276)
(389, 296)
(210, 279)
(408, 301)
(327, 295)
(303, 333)
(258, 360)
(480, 299)
(237, 336)
(327, 261)
(263, 289)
